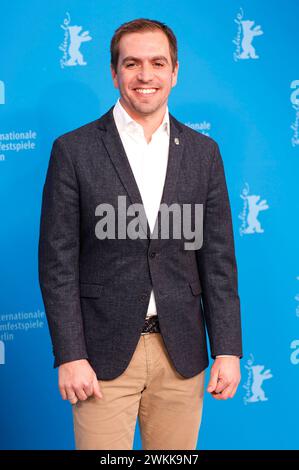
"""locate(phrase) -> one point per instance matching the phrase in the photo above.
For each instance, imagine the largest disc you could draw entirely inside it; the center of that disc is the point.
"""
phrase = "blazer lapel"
(117, 154)
(176, 147)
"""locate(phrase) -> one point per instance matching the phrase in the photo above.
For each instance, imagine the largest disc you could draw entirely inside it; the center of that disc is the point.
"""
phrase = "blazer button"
(143, 297)
(152, 254)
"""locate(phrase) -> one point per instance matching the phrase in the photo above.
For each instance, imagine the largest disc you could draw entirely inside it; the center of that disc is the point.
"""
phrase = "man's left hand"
(225, 377)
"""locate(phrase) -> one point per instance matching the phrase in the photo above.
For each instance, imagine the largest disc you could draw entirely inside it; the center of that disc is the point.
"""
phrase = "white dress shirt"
(148, 162)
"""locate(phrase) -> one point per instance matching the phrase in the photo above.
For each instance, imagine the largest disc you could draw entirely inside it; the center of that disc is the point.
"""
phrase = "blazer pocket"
(90, 290)
(195, 287)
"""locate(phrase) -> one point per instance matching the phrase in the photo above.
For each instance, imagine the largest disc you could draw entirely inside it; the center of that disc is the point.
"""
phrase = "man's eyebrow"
(136, 59)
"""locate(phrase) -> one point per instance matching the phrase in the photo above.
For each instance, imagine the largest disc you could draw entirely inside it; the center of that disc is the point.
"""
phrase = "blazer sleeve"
(58, 257)
(218, 269)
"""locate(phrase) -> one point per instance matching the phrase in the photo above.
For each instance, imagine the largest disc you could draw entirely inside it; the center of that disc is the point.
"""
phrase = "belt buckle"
(146, 322)
(150, 323)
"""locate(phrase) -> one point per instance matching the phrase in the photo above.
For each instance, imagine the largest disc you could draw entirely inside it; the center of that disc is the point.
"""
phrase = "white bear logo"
(253, 225)
(248, 35)
(76, 57)
(258, 393)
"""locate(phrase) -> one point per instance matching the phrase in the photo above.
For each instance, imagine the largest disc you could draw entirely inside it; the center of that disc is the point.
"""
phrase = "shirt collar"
(125, 122)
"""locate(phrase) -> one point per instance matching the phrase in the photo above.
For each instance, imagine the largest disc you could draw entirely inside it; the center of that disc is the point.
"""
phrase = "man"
(127, 314)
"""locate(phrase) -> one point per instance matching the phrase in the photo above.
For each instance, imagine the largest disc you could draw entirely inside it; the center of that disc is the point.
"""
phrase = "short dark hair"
(139, 25)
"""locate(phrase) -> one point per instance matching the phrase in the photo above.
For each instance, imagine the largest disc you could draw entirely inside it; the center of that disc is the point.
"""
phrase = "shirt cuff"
(228, 355)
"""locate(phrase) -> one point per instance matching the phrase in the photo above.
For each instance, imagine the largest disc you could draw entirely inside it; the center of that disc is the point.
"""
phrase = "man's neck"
(150, 123)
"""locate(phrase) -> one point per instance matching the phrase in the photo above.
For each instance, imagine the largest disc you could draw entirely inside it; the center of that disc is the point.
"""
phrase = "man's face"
(144, 73)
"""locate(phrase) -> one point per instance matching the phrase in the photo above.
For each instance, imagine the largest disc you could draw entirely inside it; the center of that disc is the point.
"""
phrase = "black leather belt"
(151, 325)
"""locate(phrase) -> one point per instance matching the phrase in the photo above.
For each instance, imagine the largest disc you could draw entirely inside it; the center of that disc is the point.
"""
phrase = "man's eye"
(131, 64)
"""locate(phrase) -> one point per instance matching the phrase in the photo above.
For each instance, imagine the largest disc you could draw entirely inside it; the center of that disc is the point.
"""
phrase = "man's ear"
(175, 74)
(114, 76)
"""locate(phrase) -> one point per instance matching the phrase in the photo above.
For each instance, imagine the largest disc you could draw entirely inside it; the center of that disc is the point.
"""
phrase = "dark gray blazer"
(96, 292)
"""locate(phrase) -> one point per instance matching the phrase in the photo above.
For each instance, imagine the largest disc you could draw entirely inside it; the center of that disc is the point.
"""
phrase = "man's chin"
(145, 108)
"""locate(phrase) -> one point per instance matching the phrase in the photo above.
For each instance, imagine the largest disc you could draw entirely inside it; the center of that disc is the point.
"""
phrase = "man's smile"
(146, 91)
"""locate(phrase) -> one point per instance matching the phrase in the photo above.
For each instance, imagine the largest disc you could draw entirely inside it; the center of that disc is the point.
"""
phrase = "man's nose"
(145, 74)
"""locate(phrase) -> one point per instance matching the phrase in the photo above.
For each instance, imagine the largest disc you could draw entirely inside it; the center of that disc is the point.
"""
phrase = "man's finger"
(88, 389)
(221, 385)
(71, 396)
(73, 401)
(234, 391)
(96, 388)
(213, 381)
(227, 392)
(63, 392)
(80, 393)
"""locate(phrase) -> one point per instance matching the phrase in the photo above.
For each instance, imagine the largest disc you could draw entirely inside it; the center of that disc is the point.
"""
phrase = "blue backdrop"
(239, 83)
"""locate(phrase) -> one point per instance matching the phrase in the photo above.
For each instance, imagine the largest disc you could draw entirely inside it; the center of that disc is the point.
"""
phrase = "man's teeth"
(145, 91)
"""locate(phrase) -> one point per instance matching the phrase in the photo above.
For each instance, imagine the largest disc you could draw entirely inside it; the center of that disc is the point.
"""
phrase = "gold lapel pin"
(176, 141)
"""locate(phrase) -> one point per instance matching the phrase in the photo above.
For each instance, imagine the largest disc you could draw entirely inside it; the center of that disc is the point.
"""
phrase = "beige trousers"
(168, 406)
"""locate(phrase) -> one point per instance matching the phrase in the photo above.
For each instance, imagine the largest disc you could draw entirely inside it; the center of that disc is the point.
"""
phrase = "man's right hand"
(78, 381)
